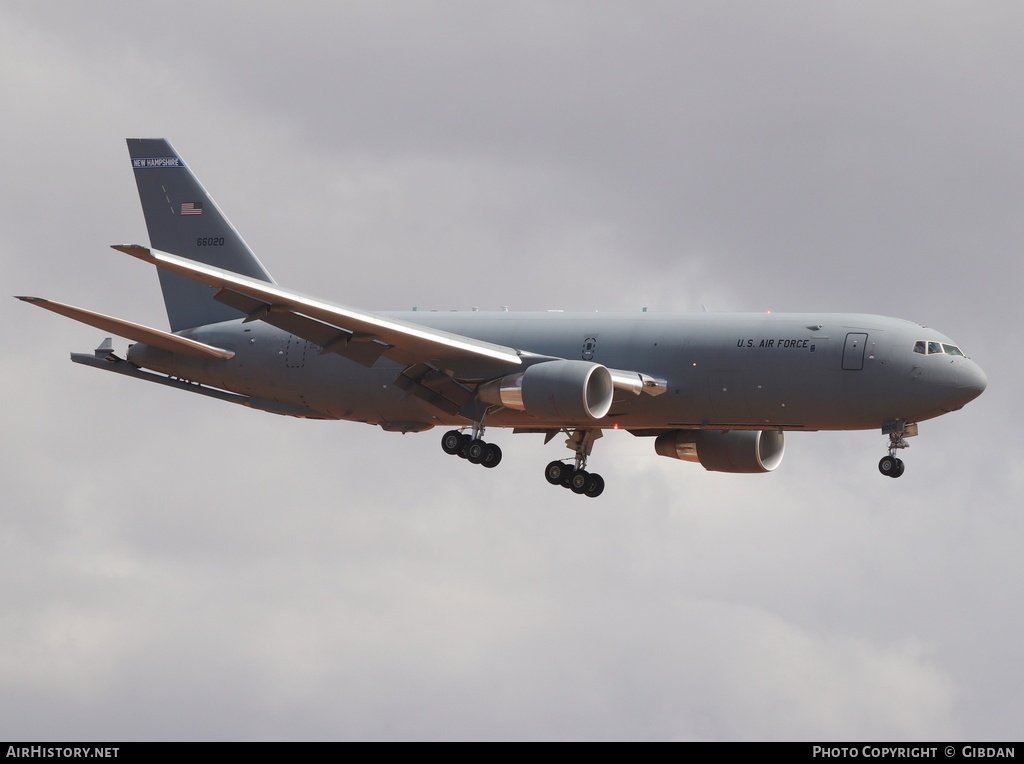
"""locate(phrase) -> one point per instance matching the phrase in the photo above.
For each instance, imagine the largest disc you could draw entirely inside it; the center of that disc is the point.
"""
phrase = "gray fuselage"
(804, 371)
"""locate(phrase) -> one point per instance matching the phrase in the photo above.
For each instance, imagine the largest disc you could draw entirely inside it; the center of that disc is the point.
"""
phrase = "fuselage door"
(853, 351)
(295, 352)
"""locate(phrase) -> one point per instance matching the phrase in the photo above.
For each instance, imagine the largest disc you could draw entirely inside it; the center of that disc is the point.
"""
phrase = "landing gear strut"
(575, 476)
(890, 465)
(471, 447)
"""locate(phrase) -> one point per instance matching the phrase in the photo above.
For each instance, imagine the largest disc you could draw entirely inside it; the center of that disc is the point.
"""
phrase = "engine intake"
(565, 390)
(725, 451)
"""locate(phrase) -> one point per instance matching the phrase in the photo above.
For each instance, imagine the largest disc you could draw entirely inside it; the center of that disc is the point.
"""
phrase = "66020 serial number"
(210, 241)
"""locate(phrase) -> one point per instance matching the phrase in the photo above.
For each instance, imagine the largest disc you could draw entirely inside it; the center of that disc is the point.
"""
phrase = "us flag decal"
(191, 208)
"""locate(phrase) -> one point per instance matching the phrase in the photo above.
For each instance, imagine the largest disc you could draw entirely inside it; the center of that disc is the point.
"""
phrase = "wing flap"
(329, 338)
(132, 331)
(435, 387)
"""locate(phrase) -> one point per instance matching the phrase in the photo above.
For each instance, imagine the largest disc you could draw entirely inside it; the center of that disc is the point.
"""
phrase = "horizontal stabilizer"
(132, 331)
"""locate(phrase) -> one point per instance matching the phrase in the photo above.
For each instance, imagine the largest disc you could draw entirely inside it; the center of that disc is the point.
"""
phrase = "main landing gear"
(576, 480)
(471, 447)
(575, 476)
(890, 465)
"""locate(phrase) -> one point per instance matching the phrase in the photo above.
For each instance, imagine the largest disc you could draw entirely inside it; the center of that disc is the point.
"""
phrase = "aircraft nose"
(971, 380)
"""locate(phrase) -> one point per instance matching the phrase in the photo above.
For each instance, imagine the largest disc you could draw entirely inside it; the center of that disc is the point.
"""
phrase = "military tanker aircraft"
(717, 389)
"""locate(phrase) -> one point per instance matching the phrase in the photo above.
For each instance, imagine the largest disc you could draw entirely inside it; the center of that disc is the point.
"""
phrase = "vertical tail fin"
(182, 219)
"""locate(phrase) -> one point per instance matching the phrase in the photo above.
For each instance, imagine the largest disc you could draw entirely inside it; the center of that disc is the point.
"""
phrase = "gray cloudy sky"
(173, 567)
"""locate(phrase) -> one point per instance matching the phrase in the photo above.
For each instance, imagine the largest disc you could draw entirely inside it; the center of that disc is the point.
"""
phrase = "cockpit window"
(931, 347)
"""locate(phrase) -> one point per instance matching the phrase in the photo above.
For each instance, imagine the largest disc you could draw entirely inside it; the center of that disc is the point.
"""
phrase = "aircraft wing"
(130, 330)
(360, 335)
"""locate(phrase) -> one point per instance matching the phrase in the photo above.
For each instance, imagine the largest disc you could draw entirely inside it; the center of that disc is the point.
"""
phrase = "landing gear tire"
(556, 472)
(476, 451)
(891, 466)
(452, 442)
(579, 482)
(492, 456)
(585, 483)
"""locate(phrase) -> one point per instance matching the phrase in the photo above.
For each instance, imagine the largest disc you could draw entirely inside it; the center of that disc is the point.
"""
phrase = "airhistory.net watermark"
(56, 752)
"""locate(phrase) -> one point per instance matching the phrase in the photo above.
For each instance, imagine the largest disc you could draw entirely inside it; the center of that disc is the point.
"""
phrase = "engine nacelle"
(562, 390)
(725, 451)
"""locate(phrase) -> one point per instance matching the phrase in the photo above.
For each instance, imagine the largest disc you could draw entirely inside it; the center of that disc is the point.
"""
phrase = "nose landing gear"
(890, 465)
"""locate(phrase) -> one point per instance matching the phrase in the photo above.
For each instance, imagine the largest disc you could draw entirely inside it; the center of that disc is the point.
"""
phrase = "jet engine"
(725, 451)
(563, 390)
